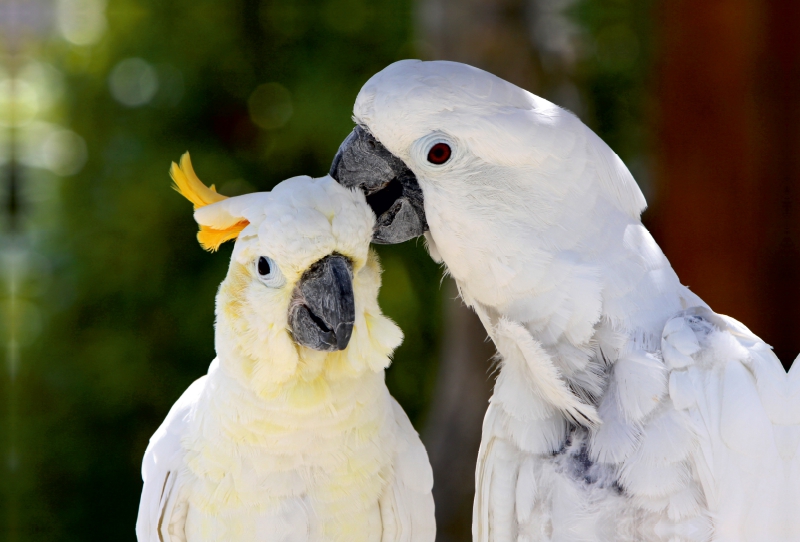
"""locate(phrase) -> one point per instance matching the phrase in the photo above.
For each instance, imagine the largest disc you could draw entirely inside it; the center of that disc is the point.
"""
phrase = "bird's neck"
(586, 292)
(271, 365)
(560, 276)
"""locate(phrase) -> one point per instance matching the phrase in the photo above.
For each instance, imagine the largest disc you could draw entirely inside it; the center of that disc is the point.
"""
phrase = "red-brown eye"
(439, 154)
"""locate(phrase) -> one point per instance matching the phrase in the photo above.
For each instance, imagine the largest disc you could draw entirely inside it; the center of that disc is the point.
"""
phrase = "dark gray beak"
(391, 188)
(322, 310)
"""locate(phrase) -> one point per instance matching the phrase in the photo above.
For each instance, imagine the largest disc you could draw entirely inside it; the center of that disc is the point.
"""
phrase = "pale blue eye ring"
(268, 272)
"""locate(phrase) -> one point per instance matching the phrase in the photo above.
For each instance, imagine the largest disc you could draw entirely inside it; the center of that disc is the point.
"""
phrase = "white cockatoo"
(625, 409)
(292, 436)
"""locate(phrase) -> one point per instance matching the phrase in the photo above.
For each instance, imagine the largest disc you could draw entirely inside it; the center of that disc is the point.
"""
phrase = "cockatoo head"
(428, 131)
(302, 278)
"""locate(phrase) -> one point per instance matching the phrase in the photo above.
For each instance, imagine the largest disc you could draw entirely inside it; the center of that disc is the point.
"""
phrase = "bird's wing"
(163, 508)
(746, 412)
(493, 516)
(407, 511)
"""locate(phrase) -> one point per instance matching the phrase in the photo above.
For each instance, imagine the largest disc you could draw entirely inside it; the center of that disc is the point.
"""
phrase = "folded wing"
(163, 506)
(746, 411)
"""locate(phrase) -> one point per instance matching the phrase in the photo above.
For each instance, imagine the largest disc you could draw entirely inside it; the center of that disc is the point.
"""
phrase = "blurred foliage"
(614, 74)
(109, 299)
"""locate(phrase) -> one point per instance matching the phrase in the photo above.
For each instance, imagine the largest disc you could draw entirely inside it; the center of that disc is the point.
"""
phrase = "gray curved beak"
(322, 311)
(391, 187)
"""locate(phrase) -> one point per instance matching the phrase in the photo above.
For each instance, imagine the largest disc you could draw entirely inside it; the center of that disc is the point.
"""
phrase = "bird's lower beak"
(322, 311)
(391, 187)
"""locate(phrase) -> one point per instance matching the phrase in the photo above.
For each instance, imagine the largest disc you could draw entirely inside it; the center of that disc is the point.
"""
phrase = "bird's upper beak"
(322, 311)
(391, 188)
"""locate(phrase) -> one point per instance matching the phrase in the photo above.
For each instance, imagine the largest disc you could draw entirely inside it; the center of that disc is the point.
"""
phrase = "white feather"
(673, 358)
(656, 481)
(616, 438)
(544, 436)
(641, 381)
(517, 346)
(681, 390)
(667, 438)
(526, 491)
(744, 426)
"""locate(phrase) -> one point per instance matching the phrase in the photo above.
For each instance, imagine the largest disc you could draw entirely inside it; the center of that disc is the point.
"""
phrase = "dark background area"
(107, 300)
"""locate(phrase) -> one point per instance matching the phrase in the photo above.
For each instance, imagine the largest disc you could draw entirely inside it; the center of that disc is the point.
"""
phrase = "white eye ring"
(268, 272)
(422, 147)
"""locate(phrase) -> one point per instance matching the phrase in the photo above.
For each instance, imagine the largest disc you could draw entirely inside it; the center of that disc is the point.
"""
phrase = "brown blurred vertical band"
(452, 434)
(728, 216)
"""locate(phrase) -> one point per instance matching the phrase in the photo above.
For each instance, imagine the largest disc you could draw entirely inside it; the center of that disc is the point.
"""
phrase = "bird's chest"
(283, 474)
(575, 499)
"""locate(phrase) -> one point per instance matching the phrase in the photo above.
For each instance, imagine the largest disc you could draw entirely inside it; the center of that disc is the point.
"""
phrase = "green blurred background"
(107, 298)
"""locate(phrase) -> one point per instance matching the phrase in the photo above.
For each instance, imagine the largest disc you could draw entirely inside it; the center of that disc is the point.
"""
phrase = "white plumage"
(625, 409)
(280, 442)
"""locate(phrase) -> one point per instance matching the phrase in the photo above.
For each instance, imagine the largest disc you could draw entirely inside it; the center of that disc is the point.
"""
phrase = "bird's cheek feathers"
(252, 329)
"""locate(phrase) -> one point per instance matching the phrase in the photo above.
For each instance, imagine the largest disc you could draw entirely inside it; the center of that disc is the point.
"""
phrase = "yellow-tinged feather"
(192, 188)
(304, 394)
(211, 239)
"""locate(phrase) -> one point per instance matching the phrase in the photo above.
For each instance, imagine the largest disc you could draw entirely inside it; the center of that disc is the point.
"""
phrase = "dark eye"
(439, 153)
(269, 273)
(263, 266)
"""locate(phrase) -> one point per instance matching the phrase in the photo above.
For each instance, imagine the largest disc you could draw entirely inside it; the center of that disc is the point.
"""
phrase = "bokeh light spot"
(47, 82)
(81, 22)
(19, 102)
(270, 106)
(64, 152)
(48, 146)
(133, 82)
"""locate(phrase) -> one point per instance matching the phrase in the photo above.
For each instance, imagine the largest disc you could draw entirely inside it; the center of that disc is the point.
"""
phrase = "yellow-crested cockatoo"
(292, 435)
(625, 409)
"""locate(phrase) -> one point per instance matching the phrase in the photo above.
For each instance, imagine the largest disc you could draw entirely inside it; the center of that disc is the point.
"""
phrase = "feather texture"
(192, 188)
(279, 441)
(517, 346)
(625, 409)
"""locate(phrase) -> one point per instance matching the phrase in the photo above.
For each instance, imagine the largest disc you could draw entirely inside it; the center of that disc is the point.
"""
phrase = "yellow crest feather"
(211, 239)
(192, 188)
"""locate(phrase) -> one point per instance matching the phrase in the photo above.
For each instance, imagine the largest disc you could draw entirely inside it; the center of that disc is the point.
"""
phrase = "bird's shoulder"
(161, 509)
(746, 413)
(710, 353)
(166, 440)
